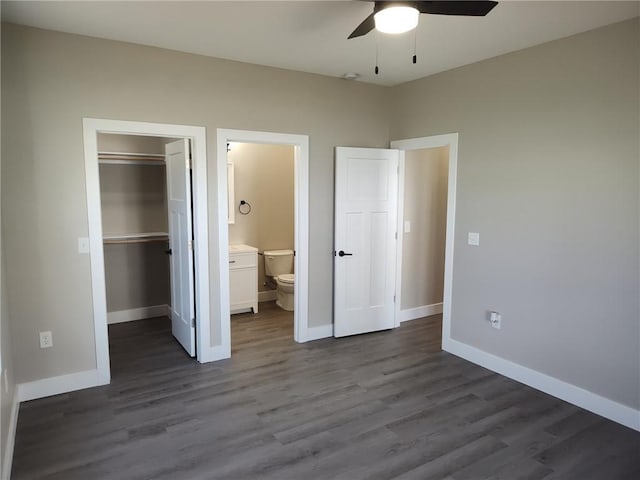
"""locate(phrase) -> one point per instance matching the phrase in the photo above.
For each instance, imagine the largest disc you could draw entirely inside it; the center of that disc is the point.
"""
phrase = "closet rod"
(144, 157)
(136, 238)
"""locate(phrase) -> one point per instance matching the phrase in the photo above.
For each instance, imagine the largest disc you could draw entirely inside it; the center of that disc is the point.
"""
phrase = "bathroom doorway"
(250, 206)
(261, 197)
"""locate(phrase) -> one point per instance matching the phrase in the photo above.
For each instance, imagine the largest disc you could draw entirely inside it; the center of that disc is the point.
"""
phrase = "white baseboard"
(420, 312)
(593, 402)
(57, 385)
(267, 296)
(141, 313)
(11, 437)
(316, 333)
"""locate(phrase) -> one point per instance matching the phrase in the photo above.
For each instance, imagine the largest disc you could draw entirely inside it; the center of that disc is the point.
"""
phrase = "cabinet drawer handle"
(232, 261)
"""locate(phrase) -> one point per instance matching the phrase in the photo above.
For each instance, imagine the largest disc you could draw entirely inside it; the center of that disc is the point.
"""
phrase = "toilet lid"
(287, 278)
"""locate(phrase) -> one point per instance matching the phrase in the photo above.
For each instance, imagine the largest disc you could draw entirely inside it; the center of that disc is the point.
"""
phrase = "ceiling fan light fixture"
(396, 19)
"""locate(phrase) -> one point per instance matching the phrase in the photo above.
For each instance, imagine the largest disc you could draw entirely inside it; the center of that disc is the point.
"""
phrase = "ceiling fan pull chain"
(377, 70)
(415, 43)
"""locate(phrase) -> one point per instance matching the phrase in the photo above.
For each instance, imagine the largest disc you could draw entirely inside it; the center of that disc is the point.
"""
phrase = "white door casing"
(301, 330)
(181, 244)
(366, 191)
(197, 136)
(447, 140)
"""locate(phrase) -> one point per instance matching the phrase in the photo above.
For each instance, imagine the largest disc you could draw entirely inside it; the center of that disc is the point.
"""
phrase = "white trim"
(420, 312)
(62, 384)
(447, 140)
(11, 436)
(316, 333)
(400, 238)
(301, 213)
(197, 135)
(605, 407)
(267, 296)
(141, 313)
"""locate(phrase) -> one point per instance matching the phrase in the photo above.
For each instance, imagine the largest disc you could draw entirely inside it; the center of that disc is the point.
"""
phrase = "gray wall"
(50, 81)
(6, 396)
(109, 142)
(548, 174)
(133, 198)
(264, 177)
(425, 206)
(136, 275)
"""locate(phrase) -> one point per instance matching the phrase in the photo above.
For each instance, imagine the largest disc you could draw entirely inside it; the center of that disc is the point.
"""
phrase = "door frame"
(446, 140)
(301, 216)
(91, 127)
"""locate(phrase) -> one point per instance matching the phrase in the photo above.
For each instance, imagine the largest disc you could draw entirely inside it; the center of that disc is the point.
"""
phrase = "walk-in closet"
(133, 193)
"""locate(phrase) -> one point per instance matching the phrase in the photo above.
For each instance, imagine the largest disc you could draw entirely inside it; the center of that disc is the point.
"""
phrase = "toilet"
(278, 264)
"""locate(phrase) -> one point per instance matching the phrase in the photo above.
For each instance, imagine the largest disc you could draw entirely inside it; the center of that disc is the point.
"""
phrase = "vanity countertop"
(242, 249)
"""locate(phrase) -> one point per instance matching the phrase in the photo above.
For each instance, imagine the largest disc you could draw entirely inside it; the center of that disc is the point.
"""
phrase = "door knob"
(168, 252)
(343, 254)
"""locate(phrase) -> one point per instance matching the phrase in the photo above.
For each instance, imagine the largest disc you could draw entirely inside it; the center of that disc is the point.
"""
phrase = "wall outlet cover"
(496, 320)
(46, 340)
(473, 239)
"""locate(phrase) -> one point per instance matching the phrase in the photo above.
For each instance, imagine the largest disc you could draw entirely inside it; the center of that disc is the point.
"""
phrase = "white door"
(181, 244)
(366, 190)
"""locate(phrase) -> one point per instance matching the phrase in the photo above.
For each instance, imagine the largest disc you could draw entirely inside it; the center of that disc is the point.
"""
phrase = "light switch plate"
(83, 245)
(407, 226)
(473, 239)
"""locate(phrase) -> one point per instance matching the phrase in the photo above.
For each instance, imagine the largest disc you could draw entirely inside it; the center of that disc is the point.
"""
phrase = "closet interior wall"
(134, 224)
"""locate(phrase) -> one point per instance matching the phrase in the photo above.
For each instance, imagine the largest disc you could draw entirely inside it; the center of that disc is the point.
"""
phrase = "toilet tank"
(277, 262)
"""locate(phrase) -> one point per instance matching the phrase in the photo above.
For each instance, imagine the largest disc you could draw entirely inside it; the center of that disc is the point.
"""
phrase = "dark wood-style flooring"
(377, 406)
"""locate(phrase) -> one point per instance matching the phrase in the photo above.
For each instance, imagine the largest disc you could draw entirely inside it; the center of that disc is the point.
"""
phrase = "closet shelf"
(111, 239)
(123, 158)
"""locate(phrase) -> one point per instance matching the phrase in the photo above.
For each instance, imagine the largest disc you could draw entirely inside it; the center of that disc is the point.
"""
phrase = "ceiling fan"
(400, 17)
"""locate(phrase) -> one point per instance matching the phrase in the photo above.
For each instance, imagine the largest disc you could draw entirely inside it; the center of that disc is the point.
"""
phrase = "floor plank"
(378, 406)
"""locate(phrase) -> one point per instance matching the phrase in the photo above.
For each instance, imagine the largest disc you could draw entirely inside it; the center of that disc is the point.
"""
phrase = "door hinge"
(394, 298)
(190, 244)
(396, 235)
(193, 322)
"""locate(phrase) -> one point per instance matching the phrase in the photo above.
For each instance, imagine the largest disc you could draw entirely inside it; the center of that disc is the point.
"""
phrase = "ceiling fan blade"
(475, 9)
(364, 28)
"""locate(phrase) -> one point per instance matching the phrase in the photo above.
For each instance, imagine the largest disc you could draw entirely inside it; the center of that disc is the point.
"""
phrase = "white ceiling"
(311, 36)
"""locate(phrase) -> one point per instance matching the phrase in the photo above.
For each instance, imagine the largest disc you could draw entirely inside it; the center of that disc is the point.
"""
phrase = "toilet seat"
(288, 278)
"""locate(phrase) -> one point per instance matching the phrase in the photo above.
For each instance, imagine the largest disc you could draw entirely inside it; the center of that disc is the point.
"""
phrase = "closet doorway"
(146, 194)
(428, 175)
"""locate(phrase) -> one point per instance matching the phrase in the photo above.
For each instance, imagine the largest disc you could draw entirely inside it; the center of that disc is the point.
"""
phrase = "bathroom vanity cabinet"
(243, 278)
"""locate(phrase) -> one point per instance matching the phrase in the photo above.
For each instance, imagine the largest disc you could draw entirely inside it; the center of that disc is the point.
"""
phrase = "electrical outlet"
(496, 320)
(46, 340)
